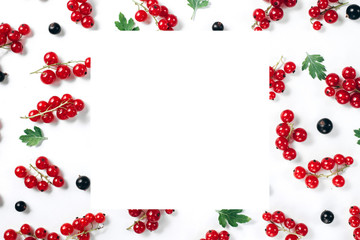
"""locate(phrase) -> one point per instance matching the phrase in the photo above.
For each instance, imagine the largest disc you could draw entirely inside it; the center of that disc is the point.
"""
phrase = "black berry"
(327, 217)
(2, 76)
(353, 12)
(54, 28)
(324, 126)
(217, 26)
(20, 206)
(83, 182)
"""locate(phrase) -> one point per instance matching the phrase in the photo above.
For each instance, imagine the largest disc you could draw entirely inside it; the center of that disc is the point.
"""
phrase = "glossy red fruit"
(85, 8)
(322, 4)
(349, 85)
(317, 25)
(20, 171)
(331, 16)
(287, 116)
(16, 47)
(139, 227)
(354, 221)
(272, 230)
(10, 234)
(135, 212)
(299, 172)
(14, 36)
(51, 58)
(289, 223)
(76, 16)
(5, 29)
(338, 181)
(299, 134)
(42, 186)
(90, 217)
(332, 80)
(140, 16)
(88, 62)
(80, 70)
(71, 111)
(329, 91)
(276, 13)
(25, 229)
(48, 117)
(87, 22)
(289, 67)
(48, 76)
(355, 100)
(154, 10)
(54, 102)
(66, 229)
(339, 159)
(30, 181)
(349, 160)
(278, 217)
(290, 3)
(153, 215)
(301, 229)
(281, 143)
(349, 73)
(264, 24)
(42, 163)
(172, 20)
(283, 130)
(151, 2)
(266, 216)
(289, 154)
(328, 163)
(276, 3)
(291, 237)
(163, 25)
(212, 235)
(33, 115)
(40, 233)
(73, 5)
(279, 74)
(100, 218)
(279, 87)
(259, 14)
(314, 166)
(53, 171)
(164, 11)
(58, 181)
(63, 72)
(79, 105)
(152, 226)
(224, 235)
(53, 236)
(84, 236)
(354, 210)
(311, 181)
(314, 12)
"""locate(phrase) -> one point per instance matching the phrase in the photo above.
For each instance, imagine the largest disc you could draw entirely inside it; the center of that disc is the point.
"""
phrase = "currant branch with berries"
(354, 221)
(80, 12)
(214, 235)
(10, 38)
(325, 11)
(152, 217)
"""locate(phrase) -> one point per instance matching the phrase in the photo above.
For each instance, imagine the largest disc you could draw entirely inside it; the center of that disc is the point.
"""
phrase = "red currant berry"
(276, 13)
(283, 130)
(289, 67)
(87, 22)
(80, 70)
(342, 96)
(40, 233)
(135, 212)
(287, 116)
(172, 20)
(331, 16)
(272, 230)
(212, 235)
(354, 221)
(291, 237)
(271, 72)
(48, 117)
(328, 163)
(42, 186)
(299, 172)
(259, 14)
(322, 4)
(10, 234)
(355, 100)
(42, 106)
(63, 72)
(354, 210)
(314, 166)
(53, 171)
(84, 222)
(314, 12)
(299, 134)
(276, 3)
(289, 223)
(66, 229)
(154, 10)
(25, 229)
(54, 102)
(152, 226)
(3, 40)
(58, 181)
(5, 29)
(349, 73)
(33, 113)
(169, 211)
(224, 235)
(279, 87)
(278, 217)
(317, 25)
(30, 181)
(357, 83)
(85, 8)
(140, 16)
(339, 159)
(88, 62)
(14, 36)
(71, 112)
(301, 229)
(279, 74)
(90, 217)
(289, 154)
(20, 171)
(76, 16)
(42, 163)
(338, 181)
(266, 216)
(153, 215)
(290, 3)
(139, 227)
(349, 160)
(84, 236)
(349, 85)
(100, 218)
(53, 236)
(51, 58)
(265, 23)
(151, 2)
(311, 181)
(164, 11)
(272, 95)
(332, 80)
(281, 143)
(79, 105)
(163, 25)
(16, 47)
(66, 98)
(48, 76)
(356, 233)
(257, 29)
(329, 91)
(73, 5)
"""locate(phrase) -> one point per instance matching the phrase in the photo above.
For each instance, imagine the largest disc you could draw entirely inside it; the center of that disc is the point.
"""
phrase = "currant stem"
(146, 10)
(85, 232)
(277, 64)
(281, 228)
(42, 176)
(48, 110)
(291, 125)
(142, 218)
(331, 7)
(55, 64)
(333, 173)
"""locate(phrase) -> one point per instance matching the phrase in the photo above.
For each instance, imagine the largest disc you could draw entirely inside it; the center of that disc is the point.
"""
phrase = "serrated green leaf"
(32, 138)
(232, 217)
(315, 66)
(196, 4)
(124, 25)
(136, 29)
(357, 133)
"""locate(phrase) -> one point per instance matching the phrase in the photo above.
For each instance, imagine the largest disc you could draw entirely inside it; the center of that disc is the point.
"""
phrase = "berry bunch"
(62, 70)
(345, 91)
(66, 107)
(160, 14)
(353, 12)
(31, 181)
(287, 133)
(339, 163)
(274, 12)
(11, 37)
(152, 217)
(277, 75)
(278, 222)
(323, 10)
(81, 10)
(354, 221)
(214, 235)
(80, 229)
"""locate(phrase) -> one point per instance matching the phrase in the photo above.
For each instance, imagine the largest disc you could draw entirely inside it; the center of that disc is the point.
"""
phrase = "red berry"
(290, 3)
(331, 16)
(87, 22)
(34, 113)
(20, 171)
(88, 62)
(354, 210)
(53, 171)
(152, 226)
(317, 25)
(322, 4)
(30, 181)
(76, 16)
(314, 166)
(66, 98)
(84, 236)
(25, 229)
(151, 2)
(281, 143)
(299, 172)
(272, 95)
(332, 80)
(259, 14)
(42, 186)
(314, 12)
(10, 234)
(66, 229)
(329, 91)
(5, 29)
(279, 87)
(328, 163)
(164, 12)
(100, 218)
(42, 106)
(266, 216)
(357, 83)
(289, 154)
(287, 116)
(135, 212)
(311, 181)
(48, 76)
(80, 70)
(257, 29)
(73, 5)
(339, 159)
(349, 73)
(354, 221)
(349, 160)
(42, 163)
(40, 233)
(301, 229)
(299, 134)
(139, 227)
(172, 20)
(140, 16)
(84, 222)
(349, 84)
(90, 217)
(276, 3)
(48, 117)
(71, 112)
(289, 223)
(289, 67)
(278, 217)
(265, 23)
(283, 130)
(51, 58)
(276, 13)
(63, 72)
(224, 235)
(153, 215)
(271, 230)
(169, 211)
(163, 25)
(14, 36)
(357, 233)
(3, 39)
(154, 10)
(212, 235)
(338, 181)
(355, 100)
(58, 181)
(16, 47)
(85, 8)
(291, 237)
(79, 105)
(54, 102)
(279, 74)
(53, 236)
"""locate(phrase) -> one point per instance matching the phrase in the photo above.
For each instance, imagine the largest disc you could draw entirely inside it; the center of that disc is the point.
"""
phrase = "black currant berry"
(20, 206)
(327, 217)
(353, 12)
(83, 182)
(54, 28)
(324, 126)
(217, 26)
(2, 76)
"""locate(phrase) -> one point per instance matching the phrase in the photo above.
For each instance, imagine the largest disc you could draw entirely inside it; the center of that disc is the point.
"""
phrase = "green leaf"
(232, 217)
(125, 25)
(32, 138)
(196, 4)
(315, 66)
(357, 134)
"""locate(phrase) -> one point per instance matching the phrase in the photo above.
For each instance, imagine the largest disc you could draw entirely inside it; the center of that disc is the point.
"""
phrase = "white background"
(23, 91)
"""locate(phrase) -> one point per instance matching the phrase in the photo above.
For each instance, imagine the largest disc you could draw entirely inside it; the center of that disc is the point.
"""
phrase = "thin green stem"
(333, 173)
(146, 10)
(75, 236)
(42, 176)
(55, 64)
(47, 111)
(281, 228)
(142, 218)
(277, 64)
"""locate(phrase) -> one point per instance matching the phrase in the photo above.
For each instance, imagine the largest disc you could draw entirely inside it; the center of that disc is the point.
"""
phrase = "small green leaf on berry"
(196, 4)
(232, 217)
(32, 138)
(316, 68)
(124, 25)
(357, 134)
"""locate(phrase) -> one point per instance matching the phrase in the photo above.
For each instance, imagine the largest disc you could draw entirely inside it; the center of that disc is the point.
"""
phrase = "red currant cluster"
(80, 229)
(42, 163)
(66, 107)
(325, 11)
(278, 222)
(345, 91)
(152, 217)
(62, 70)
(287, 133)
(214, 235)
(354, 221)
(11, 37)
(314, 166)
(81, 10)
(277, 75)
(164, 20)
(274, 12)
